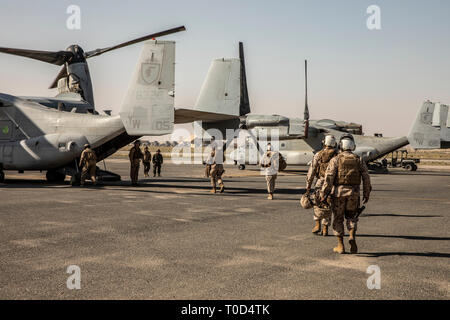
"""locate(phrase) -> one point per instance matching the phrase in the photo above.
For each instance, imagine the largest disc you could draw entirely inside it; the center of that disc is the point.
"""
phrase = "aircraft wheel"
(408, 167)
(414, 168)
(242, 167)
(55, 176)
(2, 177)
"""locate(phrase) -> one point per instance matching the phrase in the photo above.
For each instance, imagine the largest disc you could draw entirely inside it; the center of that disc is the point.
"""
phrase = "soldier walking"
(216, 171)
(135, 156)
(157, 162)
(270, 163)
(322, 211)
(343, 178)
(146, 161)
(88, 163)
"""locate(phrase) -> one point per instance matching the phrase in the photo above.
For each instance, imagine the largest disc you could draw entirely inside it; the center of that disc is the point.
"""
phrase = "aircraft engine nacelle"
(42, 153)
(277, 126)
(252, 121)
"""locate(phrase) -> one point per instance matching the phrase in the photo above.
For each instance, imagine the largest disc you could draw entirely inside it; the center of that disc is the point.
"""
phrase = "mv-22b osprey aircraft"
(299, 139)
(49, 133)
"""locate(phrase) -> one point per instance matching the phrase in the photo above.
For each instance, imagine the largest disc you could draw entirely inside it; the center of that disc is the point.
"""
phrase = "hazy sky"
(378, 78)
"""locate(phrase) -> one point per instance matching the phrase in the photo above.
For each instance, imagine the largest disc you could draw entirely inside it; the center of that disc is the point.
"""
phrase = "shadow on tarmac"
(401, 215)
(200, 184)
(410, 254)
(421, 173)
(403, 237)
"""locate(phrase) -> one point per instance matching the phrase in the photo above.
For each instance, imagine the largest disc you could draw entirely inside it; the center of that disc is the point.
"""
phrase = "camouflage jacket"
(157, 159)
(135, 154)
(87, 156)
(270, 163)
(337, 190)
(147, 156)
(313, 171)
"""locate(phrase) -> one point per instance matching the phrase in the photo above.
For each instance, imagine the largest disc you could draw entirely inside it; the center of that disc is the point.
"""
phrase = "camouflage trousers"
(88, 171)
(270, 180)
(134, 173)
(345, 207)
(323, 215)
(146, 167)
(216, 177)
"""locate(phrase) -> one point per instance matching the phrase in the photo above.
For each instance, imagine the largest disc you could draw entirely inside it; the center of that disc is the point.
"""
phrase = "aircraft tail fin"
(430, 129)
(224, 91)
(225, 87)
(220, 92)
(148, 107)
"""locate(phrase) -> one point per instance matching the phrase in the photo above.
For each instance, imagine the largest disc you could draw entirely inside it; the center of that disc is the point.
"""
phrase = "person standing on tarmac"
(319, 164)
(146, 161)
(157, 162)
(342, 179)
(135, 156)
(88, 163)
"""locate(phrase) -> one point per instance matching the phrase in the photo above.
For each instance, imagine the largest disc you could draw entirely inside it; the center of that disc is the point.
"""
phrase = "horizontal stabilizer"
(189, 115)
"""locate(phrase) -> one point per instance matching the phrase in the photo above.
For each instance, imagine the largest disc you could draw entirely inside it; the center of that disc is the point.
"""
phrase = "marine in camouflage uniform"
(343, 178)
(88, 163)
(216, 172)
(157, 162)
(135, 156)
(270, 163)
(146, 161)
(319, 164)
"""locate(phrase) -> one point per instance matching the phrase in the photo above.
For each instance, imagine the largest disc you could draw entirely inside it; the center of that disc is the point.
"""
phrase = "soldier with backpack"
(319, 164)
(343, 178)
(272, 162)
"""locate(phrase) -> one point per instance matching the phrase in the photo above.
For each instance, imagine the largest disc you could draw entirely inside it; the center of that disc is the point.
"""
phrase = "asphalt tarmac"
(171, 239)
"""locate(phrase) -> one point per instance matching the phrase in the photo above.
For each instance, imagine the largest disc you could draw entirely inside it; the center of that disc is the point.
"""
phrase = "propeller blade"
(98, 52)
(57, 57)
(62, 73)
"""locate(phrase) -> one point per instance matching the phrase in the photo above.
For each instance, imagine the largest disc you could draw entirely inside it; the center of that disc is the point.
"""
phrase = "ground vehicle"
(404, 162)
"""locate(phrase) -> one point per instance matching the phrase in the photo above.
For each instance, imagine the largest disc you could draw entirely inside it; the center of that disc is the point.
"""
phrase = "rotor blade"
(98, 52)
(244, 106)
(306, 111)
(62, 73)
(57, 57)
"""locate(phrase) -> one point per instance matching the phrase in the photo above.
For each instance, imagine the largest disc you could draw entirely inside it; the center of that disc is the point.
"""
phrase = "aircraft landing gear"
(242, 167)
(55, 176)
(75, 180)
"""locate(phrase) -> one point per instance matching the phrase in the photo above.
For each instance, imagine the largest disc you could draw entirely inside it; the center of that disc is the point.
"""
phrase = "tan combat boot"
(352, 241)
(222, 188)
(270, 197)
(213, 190)
(340, 247)
(325, 230)
(316, 228)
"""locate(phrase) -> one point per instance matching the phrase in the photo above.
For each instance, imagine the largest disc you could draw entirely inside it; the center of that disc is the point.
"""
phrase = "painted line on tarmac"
(422, 199)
